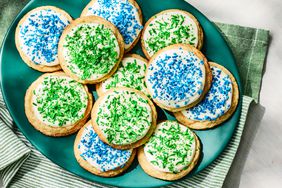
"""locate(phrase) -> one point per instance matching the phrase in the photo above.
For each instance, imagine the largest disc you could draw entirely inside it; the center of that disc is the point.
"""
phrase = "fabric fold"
(249, 46)
(13, 152)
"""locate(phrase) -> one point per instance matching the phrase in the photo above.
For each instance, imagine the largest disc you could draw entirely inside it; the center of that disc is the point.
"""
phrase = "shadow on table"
(253, 122)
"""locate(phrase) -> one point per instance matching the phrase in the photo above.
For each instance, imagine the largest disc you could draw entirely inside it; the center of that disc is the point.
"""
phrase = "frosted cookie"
(131, 73)
(124, 14)
(99, 158)
(171, 153)
(124, 118)
(57, 105)
(178, 77)
(37, 37)
(170, 27)
(217, 106)
(90, 49)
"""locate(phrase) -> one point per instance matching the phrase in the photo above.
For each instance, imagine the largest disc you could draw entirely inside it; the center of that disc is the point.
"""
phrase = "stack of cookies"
(123, 123)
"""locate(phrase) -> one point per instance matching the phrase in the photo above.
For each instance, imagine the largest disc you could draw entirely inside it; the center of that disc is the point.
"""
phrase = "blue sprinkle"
(41, 34)
(100, 153)
(122, 14)
(176, 77)
(215, 103)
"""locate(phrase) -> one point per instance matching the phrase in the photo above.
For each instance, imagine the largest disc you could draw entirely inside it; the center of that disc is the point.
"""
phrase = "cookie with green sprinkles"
(99, 158)
(131, 74)
(37, 37)
(170, 27)
(90, 49)
(57, 105)
(171, 153)
(218, 105)
(124, 118)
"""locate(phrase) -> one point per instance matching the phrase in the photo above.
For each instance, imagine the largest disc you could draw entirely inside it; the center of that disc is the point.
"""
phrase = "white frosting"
(217, 101)
(178, 81)
(167, 17)
(173, 143)
(41, 91)
(100, 155)
(119, 122)
(67, 57)
(128, 75)
(122, 13)
(39, 39)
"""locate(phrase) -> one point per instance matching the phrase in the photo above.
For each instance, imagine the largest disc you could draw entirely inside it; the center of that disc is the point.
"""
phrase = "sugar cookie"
(124, 118)
(171, 153)
(131, 73)
(217, 106)
(90, 49)
(37, 37)
(170, 27)
(57, 105)
(99, 158)
(178, 77)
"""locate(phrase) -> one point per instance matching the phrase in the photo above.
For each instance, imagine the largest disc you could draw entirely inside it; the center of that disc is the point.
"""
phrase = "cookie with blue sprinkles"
(124, 118)
(171, 153)
(126, 15)
(99, 158)
(178, 77)
(170, 27)
(90, 49)
(37, 37)
(56, 105)
(218, 105)
(131, 73)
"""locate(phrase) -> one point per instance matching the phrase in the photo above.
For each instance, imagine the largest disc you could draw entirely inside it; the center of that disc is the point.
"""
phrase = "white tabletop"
(259, 159)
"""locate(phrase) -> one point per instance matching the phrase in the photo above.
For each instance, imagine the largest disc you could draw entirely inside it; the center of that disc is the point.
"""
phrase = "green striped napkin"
(21, 165)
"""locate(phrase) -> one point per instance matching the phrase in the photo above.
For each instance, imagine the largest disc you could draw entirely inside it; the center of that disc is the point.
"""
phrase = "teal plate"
(16, 77)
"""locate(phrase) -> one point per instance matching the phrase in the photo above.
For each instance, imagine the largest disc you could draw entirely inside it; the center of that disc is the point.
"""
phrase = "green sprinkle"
(126, 120)
(171, 147)
(59, 100)
(169, 31)
(91, 51)
(130, 74)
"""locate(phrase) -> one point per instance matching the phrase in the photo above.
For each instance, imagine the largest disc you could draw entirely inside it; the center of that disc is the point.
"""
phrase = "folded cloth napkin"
(21, 165)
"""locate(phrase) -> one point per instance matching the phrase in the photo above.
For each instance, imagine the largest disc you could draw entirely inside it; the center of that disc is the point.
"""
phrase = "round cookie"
(131, 74)
(218, 105)
(37, 37)
(178, 77)
(170, 27)
(99, 158)
(57, 105)
(90, 49)
(124, 118)
(126, 15)
(171, 153)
